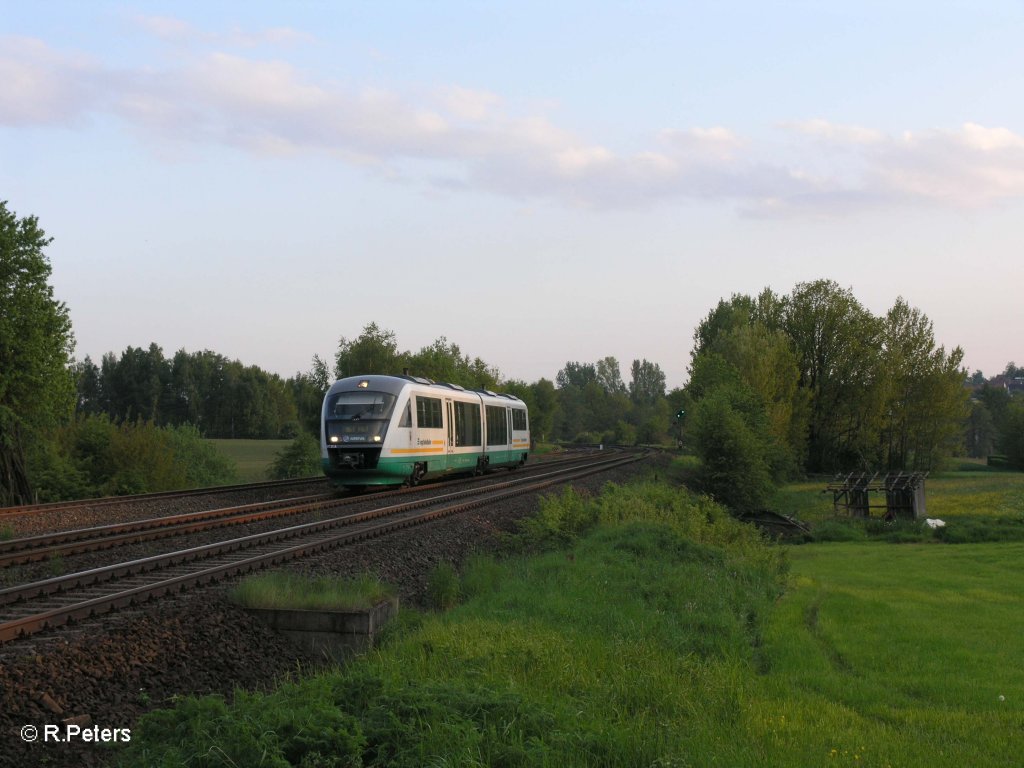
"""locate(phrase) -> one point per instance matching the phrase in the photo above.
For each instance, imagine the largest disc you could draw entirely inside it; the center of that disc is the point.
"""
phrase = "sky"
(537, 182)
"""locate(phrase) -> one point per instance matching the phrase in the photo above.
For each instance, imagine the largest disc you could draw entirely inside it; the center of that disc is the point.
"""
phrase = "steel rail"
(43, 546)
(17, 627)
(54, 506)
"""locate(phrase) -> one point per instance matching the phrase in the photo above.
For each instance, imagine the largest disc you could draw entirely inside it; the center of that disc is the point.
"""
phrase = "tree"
(647, 383)
(545, 409)
(1012, 441)
(308, 390)
(444, 361)
(925, 401)
(836, 341)
(609, 377)
(981, 431)
(37, 389)
(576, 375)
(734, 468)
(766, 362)
(373, 351)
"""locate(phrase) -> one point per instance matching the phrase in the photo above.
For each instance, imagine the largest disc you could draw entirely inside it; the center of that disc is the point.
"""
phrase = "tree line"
(779, 386)
(222, 398)
(811, 382)
(587, 402)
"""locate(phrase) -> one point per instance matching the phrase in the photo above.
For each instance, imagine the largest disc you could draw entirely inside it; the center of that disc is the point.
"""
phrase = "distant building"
(1012, 384)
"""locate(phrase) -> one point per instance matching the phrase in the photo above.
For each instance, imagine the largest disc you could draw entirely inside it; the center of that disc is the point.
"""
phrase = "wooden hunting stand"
(904, 494)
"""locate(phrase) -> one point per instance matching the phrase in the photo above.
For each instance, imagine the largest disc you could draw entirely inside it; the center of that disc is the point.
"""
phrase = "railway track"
(8, 513)
(30, 608)
(46, 546)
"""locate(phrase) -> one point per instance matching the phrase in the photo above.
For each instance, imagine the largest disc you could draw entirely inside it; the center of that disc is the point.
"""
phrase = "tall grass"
(284, 589)
(628, 647)
(649, 629)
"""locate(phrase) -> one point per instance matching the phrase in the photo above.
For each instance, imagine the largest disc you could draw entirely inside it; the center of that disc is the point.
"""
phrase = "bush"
(734, 461)
(301, 458)
(202, 463)
(94, 456)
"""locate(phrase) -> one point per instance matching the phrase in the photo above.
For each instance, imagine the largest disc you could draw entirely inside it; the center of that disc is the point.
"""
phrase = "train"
(400, 430)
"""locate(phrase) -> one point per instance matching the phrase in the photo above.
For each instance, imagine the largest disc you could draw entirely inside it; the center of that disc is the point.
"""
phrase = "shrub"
(95, 456)
(734, 461)
(300, 458)
(202, 463)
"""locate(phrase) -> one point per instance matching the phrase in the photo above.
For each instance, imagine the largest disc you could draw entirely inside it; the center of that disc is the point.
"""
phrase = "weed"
(443, 586)
(55, 566)
(481, 575)
(658, 632)
(284, 589)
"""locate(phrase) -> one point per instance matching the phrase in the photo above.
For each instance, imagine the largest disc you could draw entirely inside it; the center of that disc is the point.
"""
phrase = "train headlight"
(376, 438)
(334, 438)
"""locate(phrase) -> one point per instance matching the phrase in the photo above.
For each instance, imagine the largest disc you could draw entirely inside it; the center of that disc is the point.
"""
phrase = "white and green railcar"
(389, 430)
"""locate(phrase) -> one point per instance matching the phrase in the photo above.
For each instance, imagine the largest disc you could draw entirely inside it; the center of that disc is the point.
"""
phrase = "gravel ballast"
(108, 671)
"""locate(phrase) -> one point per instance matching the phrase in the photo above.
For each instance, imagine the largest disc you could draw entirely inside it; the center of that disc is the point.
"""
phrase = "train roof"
(394, 384)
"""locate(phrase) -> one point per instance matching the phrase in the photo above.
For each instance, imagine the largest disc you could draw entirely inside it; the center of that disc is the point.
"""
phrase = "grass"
(649, 629)
(252, 457)
(627, 648)
(895, 656)
(283, 589)
(969, 489)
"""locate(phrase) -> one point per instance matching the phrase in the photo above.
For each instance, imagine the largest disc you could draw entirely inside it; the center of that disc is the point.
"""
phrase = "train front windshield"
(357, 417)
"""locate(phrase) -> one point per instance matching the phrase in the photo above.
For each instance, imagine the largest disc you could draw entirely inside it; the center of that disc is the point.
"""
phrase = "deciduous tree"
(37, 389)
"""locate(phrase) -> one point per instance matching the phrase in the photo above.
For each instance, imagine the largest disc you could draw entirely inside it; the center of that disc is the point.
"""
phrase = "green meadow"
(968, 489)
(644, 627)
(895, 655)
(252, 457)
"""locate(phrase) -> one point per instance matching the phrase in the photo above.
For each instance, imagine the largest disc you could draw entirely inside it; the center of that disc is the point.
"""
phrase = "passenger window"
(428, 413)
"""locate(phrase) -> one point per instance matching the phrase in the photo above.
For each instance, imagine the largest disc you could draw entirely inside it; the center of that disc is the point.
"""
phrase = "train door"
(449, 408)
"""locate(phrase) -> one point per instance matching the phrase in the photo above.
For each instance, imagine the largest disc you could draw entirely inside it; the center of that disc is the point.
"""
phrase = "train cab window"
(354, 406)
(518, 419)
(406, 420)
(428, 413)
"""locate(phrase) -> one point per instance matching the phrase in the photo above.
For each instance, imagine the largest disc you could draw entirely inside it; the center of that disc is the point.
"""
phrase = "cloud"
(968, 167)
(41, 85)
(838, 134)
(172, 30)
(270, 106)
(168, 28)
